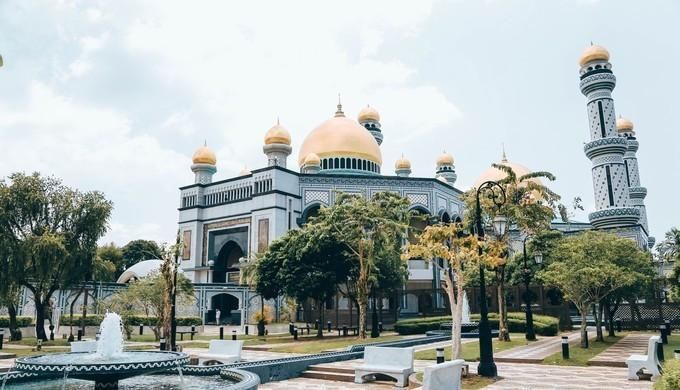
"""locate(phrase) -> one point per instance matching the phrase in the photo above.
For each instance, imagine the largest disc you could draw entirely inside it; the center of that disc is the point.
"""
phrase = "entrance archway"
(228, 306)
(227, 261)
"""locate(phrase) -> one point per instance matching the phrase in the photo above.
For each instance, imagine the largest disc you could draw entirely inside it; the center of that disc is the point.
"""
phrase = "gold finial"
(277, 121)
(504, 159)
(205, 142)
(339, 111)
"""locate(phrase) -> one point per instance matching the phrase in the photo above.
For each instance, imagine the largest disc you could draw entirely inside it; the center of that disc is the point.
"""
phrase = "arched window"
(363, 165)
(354, 163)
(337, 163)
(325, 164)
(342, 163)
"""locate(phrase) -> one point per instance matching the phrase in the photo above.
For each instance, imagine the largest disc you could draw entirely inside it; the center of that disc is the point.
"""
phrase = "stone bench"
(443, 376)
(648, 362)
(221, 351)
(393, 362)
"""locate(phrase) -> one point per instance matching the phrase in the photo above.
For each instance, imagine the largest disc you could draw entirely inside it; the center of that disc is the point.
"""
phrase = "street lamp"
(173, 312)
(486, 366)
(211, 263)
(538, 258)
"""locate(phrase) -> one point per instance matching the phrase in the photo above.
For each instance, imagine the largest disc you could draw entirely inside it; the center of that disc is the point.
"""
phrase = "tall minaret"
(606, 149)
(370, 119)
(277, 145)
(203, 165)
(446, 170)
(402, 167)
(637, 193)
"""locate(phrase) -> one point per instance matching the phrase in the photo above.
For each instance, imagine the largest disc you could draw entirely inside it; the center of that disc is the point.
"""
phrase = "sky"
(116, 96)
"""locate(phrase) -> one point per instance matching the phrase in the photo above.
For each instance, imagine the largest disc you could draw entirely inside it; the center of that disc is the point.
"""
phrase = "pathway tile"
(616, 355)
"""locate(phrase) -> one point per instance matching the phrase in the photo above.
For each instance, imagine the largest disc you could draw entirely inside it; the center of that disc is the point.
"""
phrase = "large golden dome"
(368, 113)
(495, 174)
(204, 155)
(624, 125)
(593, 53)
(277, 135)
(340, 137)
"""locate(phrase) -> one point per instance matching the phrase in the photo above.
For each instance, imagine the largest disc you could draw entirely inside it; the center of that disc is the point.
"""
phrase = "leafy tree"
(530, 206)
(109, 256)
(459, 253)
(50, 235)
(138, 250)
(590, 266)
(669, 248)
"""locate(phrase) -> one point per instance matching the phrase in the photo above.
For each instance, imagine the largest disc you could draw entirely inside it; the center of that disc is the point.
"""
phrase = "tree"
(50, 233)
(530, 206)
(669, 248)
(138, 250)
(459, 253)
(109, 255)
(590, 266)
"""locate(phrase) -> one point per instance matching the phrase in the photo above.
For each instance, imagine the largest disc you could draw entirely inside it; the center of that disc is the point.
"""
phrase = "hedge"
(132, 320)
(670, 378)
(22, 321)
(543, 325)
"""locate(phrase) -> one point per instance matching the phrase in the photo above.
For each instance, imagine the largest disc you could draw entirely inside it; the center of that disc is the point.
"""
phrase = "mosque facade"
(224, 222)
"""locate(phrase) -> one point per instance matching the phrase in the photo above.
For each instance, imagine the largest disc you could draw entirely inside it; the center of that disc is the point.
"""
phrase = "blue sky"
(116, 96)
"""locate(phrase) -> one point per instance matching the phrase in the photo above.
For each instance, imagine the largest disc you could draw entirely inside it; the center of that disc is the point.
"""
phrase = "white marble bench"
(221, 351)
(443, 376)
(396, 363)
(648, 362)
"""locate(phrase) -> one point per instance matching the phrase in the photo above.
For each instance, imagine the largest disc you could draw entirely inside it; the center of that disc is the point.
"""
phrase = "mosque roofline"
(236, 178)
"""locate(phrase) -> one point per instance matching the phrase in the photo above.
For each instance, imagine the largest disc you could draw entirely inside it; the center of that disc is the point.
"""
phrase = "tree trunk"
(13, 328)
(40, 317)
(609, 317)
(319, 331)
(82, 319)
(584, 323)
(503, 333)
(71, 309)
(597, 309)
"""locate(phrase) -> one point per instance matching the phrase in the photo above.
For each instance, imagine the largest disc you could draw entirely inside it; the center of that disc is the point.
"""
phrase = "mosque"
(223, 222)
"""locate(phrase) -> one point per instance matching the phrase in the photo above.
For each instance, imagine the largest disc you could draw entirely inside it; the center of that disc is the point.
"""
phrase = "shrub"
(670, 379)
(543, 325)
(22, 321)
(268, 316)
(90, 320)
(131, 320)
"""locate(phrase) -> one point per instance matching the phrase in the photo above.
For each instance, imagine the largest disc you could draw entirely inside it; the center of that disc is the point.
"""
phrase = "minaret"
(446, 171)
(277, 145)
(370, 119)
(312, 164)
(606, 148)
(637, 193)
(204, 165)
(402, 167)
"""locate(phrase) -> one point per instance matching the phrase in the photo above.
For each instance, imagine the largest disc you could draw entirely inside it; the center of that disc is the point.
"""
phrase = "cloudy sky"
(115, 96)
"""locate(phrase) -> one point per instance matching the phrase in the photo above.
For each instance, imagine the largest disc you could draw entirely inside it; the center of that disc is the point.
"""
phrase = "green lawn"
(579, 356)
(27, 352)
(471, 382)
(314, 345)
(470, 351)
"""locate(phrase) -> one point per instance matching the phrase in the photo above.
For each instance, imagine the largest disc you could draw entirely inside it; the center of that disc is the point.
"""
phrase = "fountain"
(468, 328)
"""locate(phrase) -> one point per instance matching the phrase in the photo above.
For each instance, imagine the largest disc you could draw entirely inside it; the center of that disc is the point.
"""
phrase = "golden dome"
(340, 137)
(204, 155)
(624, 125)
(593, 53)
(368, 113)
(402, 163)
(277, 135)
(312, 159)
(445, 159)
(494, 174)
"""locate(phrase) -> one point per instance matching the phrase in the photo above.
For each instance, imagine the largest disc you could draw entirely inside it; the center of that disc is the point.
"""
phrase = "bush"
(543, 325)
(268, 316)
(670, 378)
(90, 320)
(22, 321)
(131, 320)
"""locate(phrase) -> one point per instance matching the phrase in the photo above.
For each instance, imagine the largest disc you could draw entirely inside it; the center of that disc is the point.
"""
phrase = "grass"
(32, 342)
(471, 382)
(673, 343)
(27, 352)
(314, 345)
(470, 351)
(579, 356)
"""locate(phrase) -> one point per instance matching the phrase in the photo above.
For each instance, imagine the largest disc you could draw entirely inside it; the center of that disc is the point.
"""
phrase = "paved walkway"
(616, 355)
(535, 352)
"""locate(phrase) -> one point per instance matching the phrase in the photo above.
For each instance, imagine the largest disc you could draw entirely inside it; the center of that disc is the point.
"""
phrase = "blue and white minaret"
(626, 129)
(446, 170)
(606, 149)
(370, 119)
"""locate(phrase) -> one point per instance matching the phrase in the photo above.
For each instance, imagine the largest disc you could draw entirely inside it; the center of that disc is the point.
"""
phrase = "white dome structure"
(141, 270)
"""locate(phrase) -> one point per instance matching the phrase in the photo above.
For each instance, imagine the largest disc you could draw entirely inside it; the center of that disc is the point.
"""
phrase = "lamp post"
(211, 263)
(486, 366)
(538, 258)
(173, 312)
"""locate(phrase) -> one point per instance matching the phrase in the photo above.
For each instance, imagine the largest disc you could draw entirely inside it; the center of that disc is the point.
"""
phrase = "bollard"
(162, 344)
(2, 336)
(668, 327)
(246, 327)
(51, 332)
(618, 324)
(329, 326)
(344, 330)
(565, 347)
(233, 335)
(193, 331)
(39, 346)
(316, 324)
(440, 355)
(664, 337)
(291, 328)
(676, 353)
(221, 332)
(659, 352)
(380, 326)
(80, 334)
(587, 344)
(295, 333)
(141, 329)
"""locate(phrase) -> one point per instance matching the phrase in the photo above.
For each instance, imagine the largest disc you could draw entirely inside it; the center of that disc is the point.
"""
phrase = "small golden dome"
(624, 125)
(402, 163)
(369, 113)
(204, 155)
(445, 159)
(312, 159)
(340, 137)
(244, 172)
(495, 174)
(277, 135)
(593, 53)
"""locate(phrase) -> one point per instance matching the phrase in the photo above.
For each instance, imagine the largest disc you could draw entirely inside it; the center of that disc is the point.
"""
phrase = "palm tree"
(669, 248)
